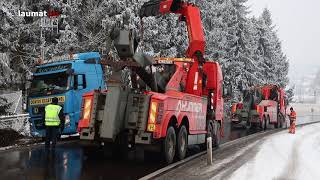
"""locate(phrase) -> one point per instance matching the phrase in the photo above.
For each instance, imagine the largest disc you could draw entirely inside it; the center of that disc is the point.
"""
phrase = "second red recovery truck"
(261, 107)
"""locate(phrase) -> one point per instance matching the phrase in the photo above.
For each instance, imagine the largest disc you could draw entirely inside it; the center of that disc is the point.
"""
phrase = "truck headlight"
(24, 107)
(66, 119)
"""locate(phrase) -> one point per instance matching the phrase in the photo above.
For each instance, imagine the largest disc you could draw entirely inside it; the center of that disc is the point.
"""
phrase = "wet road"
(74, 161)
(70, 161)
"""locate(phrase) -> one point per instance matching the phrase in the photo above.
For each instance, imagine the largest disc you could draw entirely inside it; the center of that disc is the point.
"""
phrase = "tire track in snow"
(290, 171)
(225, 170)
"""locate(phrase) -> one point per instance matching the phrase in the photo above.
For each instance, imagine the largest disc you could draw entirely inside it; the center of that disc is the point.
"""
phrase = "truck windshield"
(49, 84)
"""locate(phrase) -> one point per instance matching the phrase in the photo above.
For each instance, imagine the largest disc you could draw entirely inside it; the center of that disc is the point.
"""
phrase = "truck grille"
(39, 124)
(38, 110)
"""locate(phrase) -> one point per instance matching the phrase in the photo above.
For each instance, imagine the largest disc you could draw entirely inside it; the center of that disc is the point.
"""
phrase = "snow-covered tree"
(275, 63)
(4, 106)
(290, 94)
(248, 49)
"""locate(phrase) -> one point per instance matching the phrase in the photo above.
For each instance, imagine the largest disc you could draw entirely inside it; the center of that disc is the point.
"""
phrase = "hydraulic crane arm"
(189, 13)
(196, 78)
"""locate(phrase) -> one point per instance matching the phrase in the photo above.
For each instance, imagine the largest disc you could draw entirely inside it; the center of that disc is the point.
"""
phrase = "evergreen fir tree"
(248, 49)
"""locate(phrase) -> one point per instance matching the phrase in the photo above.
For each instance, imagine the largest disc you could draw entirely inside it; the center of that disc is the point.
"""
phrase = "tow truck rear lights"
(234, 108)
(87, 109)
(152, 116)
(153, 112)
(256, 107)
(240, 106)
(85, 115)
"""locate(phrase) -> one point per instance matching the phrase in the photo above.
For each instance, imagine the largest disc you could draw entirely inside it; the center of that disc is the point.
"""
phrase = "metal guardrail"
(13, 117)
(19, 123)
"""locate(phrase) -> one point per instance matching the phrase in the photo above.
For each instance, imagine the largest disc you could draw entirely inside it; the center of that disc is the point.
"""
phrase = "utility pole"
(47, 24)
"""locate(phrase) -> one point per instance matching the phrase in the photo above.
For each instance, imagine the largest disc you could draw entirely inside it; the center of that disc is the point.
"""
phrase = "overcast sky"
(298, 25)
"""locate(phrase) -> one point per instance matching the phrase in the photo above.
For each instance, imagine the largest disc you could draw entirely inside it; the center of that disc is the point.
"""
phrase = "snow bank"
(19, 124)
(285, 156)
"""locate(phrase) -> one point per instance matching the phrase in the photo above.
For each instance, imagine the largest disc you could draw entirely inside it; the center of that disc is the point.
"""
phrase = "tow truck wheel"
(182, 142)
(277, 125)
(263, 124)
(248, 125)
(169, 145)
(216, 136)
(281, 122)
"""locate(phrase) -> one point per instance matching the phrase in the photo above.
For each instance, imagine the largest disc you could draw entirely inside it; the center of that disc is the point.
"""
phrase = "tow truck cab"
(68, 80)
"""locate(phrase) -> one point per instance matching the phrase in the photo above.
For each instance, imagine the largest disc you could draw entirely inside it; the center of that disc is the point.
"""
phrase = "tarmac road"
(70, 161)
(74, 161)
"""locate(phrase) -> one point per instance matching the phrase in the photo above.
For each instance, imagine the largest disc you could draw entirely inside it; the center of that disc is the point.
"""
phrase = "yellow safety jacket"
(52, 115)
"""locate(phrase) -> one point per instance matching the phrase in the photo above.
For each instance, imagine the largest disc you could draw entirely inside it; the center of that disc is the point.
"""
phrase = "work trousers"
(51, 136)
(292, 129)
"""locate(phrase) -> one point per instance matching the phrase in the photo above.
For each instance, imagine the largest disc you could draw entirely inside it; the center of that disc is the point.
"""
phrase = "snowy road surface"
(285, 156)
(265, 155)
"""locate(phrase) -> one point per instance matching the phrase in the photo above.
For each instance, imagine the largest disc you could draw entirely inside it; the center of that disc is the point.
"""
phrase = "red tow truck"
(261, 107)
(173, 102)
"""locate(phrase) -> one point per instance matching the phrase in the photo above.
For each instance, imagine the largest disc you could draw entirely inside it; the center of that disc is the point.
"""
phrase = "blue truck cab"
(67, 80)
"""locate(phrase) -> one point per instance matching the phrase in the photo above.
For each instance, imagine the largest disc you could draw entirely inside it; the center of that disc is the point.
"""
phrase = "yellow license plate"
(46, 100)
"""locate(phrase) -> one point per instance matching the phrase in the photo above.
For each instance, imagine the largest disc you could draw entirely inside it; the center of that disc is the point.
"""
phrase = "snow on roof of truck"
(71, 57)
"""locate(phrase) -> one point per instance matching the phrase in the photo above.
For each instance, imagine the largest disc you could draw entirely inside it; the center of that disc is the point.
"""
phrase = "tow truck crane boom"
(191, 15)
(188, 13)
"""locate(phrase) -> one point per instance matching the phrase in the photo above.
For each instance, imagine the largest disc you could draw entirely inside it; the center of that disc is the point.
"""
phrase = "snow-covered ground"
(18, 124)
(285, 156)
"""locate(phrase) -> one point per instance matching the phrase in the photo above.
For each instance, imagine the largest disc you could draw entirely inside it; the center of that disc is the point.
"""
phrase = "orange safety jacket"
(293, 116)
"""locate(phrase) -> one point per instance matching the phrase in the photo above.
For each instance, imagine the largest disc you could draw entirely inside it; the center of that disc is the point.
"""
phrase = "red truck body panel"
(180, 105)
